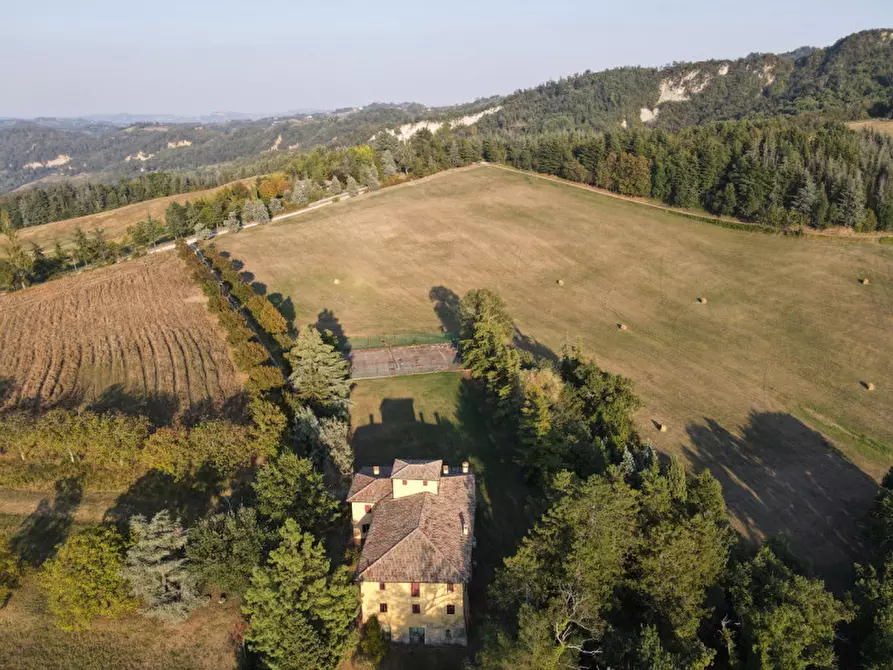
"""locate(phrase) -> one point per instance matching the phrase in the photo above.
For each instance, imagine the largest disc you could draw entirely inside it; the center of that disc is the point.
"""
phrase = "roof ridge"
(434, 544)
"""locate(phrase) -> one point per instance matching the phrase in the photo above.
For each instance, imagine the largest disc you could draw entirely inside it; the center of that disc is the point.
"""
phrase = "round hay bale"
(622, 326)
(662, 427)
(702, 300)
(336, 282)
(869, 386)
(864, 280)
(560, 282)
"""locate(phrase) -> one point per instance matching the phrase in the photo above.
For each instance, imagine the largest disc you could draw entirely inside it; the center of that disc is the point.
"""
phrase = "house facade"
(415, 521)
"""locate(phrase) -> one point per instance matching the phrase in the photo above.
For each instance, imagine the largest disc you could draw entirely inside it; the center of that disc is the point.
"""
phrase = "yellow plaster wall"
(433, 599)
(414, 486)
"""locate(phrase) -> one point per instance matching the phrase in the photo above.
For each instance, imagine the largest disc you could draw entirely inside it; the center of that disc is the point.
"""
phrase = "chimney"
(376, 470)
(464, 467)
(446, 469)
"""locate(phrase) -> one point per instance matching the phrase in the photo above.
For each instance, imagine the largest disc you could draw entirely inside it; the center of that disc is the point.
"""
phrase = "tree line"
(633, 563)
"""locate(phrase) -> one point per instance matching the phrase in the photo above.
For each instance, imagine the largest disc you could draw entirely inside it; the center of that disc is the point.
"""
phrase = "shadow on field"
(446, 306)
(782, 477)
(189, 499)
(159, 407)
(503, 500)
(327, 322)
(49, 525)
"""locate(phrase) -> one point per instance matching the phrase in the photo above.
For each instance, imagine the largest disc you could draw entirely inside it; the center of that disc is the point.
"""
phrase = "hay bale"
(560, 282)
(702, 300)
(662, 427)
(864, 280)
(621, 326)
(336, 282)
(869, 386)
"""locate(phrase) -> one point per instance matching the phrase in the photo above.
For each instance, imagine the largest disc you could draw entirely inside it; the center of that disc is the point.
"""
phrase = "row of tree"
(781, 172)
(633, 564)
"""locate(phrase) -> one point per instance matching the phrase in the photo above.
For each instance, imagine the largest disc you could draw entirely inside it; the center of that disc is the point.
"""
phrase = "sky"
(71, 58)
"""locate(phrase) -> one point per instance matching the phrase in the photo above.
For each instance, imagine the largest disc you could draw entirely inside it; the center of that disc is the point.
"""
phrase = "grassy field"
(115, 222)
(442, 416)
(744, 382)
(877, 125)
(133, 336)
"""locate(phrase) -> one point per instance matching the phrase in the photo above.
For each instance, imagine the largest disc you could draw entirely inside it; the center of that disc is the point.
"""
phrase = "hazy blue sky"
(70, 57)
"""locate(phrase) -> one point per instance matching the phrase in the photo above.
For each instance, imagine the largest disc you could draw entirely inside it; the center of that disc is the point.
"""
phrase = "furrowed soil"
(136, 336)
(765, 383)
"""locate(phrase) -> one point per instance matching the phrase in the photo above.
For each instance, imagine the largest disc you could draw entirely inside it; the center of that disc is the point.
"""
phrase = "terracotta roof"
(419, 538)
(367, 488)
(407, 469)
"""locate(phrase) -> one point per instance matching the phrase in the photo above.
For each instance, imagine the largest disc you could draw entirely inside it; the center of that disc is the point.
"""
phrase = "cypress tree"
(319, 374)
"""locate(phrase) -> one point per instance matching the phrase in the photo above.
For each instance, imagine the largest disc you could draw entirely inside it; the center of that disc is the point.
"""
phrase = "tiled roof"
(419, 538)
(407, 469)
(367, 488)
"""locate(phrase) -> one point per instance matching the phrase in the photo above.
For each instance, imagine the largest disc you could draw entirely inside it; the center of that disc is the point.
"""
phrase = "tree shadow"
(40, 534)
(532, 346)
(446, 306)
(7, 387)
(505, 508)
(326, 321)
(189, 498)
(780, 477)
(160, 408)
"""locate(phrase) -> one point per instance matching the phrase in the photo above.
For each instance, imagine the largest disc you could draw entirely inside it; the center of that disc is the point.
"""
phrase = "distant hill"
(851, 80)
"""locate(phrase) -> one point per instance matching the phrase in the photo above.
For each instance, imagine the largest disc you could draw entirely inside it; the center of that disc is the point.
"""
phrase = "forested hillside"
(851, 79)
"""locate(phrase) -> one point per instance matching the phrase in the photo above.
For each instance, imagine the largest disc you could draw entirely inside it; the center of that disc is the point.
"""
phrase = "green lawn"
(445, 416)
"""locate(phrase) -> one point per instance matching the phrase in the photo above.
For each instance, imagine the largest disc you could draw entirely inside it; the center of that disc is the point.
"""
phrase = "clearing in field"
(744, 382)
(884, 126)
(134, 336)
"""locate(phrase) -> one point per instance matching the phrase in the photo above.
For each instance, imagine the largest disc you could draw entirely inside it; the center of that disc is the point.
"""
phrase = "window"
(368, 509)
(381, 586)
(416, 609)
(416, 589)
(404, 482)
(451, 588)
(451, 609)
(424, 482)
(365, 528)
(383, 608)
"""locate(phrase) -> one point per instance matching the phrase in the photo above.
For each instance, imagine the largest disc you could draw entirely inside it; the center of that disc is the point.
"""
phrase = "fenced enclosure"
(409, 360)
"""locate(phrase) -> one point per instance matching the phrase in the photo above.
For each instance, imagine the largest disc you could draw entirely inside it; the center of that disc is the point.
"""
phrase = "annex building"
(415, 521)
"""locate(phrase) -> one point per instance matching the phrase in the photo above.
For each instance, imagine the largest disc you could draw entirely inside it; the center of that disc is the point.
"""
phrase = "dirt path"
(831, 233)
(23, 503)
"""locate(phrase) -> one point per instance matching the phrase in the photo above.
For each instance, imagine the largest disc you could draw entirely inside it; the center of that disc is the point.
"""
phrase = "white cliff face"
(648, 115)
(407, 130)
(681, 89)
(181, 143)
(58, 161)
(140, 156)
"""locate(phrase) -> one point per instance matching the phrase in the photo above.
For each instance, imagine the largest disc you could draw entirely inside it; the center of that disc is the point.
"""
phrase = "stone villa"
(415, 521)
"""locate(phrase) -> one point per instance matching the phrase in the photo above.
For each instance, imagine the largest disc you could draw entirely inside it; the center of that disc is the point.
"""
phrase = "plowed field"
(135, 336)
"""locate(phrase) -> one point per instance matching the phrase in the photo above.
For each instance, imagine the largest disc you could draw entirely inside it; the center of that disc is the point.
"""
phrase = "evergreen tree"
(353, 189)
(320, 376)
(254, 211)
(21, 263)
(275, 206)
(369, 177)
(300, 615)
(223, 549)
(388, 165)
(335, 187)
(156, 567)
(288, 487)
(232, 223)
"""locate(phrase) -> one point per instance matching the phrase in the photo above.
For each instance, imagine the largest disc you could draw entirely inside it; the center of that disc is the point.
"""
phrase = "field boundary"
(730, 224)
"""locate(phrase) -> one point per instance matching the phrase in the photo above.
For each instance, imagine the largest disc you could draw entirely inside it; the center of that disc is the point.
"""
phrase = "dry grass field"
(763, 383)
(135, 335)
(115, 222)
(878, 125)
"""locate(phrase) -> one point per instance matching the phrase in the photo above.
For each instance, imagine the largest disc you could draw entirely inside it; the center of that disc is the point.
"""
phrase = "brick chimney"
(464, 467)
(376, 470)
(446, 469)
